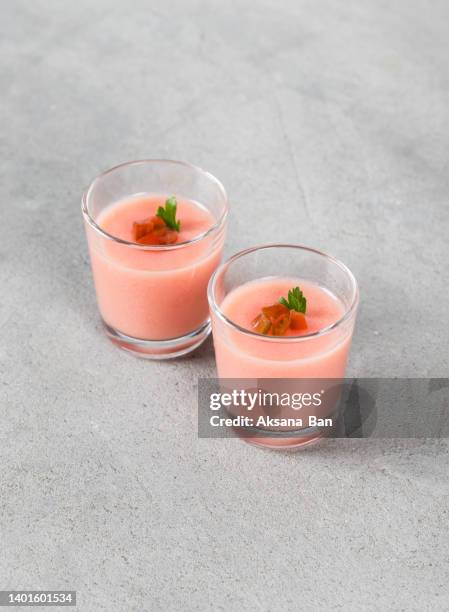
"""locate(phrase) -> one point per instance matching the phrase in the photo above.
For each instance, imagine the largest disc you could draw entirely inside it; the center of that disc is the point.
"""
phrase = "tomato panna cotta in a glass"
(282, 312)
(155, 231)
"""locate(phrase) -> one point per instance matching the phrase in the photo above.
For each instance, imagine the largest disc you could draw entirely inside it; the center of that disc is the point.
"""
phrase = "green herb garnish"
(168, 214)
(296, 300)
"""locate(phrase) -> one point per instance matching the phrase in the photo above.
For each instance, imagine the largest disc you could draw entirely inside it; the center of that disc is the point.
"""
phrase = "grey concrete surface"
(328, 123)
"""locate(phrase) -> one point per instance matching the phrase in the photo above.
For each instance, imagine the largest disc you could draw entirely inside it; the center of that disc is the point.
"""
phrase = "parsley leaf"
(168, 214)
(296, 300)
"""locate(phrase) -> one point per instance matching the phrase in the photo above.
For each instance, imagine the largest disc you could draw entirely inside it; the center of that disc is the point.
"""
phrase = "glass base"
(159, 349)
(286, 444)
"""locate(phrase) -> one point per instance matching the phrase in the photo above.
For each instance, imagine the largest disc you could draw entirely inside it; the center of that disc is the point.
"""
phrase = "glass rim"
(154, 247)
(283, 339)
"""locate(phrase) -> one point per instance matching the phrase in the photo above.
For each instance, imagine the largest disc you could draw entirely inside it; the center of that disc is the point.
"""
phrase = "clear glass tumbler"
(153, 298)
(244, 354)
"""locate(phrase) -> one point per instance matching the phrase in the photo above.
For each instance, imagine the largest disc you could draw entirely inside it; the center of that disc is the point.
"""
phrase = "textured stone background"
(328, 123)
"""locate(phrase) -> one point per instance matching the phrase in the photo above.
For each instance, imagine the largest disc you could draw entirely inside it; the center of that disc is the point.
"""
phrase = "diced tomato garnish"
(153, 231)
(158, 223)
(141, 228)
(276, 319)
(273, 320)
(274, 311)
(261, 324)
(298, 320)
(151, 238)
(280, 325)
